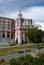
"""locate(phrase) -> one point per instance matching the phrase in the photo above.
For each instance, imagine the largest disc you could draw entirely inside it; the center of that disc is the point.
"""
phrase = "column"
(6, 35)
(10, 35)
(1, 34)
(19, 37)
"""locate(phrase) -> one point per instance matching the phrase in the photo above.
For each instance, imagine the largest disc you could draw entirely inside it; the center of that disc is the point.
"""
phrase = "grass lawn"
(7, 51)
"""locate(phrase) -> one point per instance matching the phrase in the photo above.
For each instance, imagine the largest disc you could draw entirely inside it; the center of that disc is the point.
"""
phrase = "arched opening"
(8, 35)
(16, 40)
(3, 35)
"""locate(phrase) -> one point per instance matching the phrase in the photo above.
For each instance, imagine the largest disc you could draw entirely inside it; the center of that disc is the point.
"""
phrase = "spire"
(19, 10)
(20, 14)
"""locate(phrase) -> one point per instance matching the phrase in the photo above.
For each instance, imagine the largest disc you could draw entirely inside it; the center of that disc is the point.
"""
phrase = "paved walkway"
(2, 46)
(8, 57)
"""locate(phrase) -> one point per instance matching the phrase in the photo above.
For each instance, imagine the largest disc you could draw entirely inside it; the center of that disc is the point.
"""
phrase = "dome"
(20, 14)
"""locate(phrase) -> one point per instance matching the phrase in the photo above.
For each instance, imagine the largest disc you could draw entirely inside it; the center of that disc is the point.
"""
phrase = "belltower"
(19, 36)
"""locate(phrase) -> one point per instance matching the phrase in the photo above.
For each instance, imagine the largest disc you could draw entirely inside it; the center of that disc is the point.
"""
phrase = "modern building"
(10, 28)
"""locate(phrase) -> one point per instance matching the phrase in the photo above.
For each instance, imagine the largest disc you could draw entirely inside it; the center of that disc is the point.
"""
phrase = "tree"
(34, 35)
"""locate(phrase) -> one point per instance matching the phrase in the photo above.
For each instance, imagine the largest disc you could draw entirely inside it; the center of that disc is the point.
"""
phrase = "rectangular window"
(0, 25)
(0, 35)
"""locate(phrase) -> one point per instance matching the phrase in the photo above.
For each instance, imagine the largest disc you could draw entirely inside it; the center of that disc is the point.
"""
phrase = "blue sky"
(33, 9)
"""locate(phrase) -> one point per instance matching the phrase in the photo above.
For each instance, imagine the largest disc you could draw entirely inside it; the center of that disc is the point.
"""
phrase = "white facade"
(20, 25)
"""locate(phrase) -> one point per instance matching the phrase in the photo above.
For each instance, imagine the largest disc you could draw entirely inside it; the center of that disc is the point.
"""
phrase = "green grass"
(7, 51)
(1, 62)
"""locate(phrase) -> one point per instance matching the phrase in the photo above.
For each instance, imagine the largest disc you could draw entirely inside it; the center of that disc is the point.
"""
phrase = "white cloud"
(40, 25)
(35, 13)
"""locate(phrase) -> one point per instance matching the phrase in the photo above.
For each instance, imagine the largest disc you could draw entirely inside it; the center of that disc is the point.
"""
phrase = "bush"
(28, 60)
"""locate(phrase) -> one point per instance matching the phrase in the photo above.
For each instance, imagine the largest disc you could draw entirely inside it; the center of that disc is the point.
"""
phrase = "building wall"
(10, 28)
(27, 23)
(7, 28)
(20, 26)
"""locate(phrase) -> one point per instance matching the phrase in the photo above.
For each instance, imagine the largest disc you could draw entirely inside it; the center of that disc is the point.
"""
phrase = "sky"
(31, 9)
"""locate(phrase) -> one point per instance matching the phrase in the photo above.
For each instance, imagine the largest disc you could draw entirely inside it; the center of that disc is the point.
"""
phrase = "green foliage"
(28, 60)
(1, 62)
(22, 59)
(34, 34)
(14, 62)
